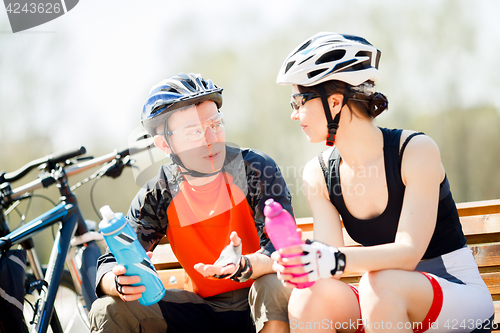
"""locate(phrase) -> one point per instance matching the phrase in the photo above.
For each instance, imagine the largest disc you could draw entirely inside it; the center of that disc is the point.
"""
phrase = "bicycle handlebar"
(80, 167)
(51, 159)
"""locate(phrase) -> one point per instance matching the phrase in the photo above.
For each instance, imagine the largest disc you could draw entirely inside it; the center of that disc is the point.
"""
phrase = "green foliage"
(468, 140)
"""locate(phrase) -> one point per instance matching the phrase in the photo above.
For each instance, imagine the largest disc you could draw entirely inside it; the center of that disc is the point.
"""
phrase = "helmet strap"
(333, 123)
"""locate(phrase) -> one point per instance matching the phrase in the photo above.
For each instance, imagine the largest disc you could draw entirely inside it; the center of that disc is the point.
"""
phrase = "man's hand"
(128, 292)
(210, 270)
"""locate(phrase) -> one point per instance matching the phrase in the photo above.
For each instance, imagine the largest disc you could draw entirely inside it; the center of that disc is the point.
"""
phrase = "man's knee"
(108, 305)
(111, 314)
(103, 313)
(270, 289)
(268, 300)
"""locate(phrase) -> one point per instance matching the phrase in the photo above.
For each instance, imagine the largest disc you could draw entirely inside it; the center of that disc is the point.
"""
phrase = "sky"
(83, 77)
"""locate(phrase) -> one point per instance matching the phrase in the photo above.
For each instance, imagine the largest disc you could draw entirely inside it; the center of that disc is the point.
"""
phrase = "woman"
(391, 192)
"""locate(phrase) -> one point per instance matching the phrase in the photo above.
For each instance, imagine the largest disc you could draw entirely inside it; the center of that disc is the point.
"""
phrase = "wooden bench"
(480, 222)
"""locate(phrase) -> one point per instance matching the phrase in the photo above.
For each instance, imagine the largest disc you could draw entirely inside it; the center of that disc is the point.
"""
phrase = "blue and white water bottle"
(122, 242)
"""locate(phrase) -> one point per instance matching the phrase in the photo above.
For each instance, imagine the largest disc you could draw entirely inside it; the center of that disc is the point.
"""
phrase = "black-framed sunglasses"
(297, 100)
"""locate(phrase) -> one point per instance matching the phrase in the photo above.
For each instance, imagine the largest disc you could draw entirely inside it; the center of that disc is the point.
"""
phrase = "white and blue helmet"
(331, 56)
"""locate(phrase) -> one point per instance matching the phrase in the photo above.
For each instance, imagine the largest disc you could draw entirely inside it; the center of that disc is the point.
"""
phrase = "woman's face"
(312, 118)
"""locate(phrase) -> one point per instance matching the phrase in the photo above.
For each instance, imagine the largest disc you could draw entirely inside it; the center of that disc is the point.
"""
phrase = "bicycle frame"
(73, 234)
(72, 223)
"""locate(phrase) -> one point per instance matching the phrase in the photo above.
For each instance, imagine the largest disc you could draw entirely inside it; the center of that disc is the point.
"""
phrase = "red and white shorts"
(462, 302)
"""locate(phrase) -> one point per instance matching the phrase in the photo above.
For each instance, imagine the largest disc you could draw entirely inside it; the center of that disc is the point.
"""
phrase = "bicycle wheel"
(68, 305)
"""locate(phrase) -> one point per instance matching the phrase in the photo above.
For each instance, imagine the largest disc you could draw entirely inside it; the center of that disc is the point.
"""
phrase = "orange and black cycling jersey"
(198, 220)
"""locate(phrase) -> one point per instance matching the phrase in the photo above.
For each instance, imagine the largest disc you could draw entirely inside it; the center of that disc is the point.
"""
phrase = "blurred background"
(82, 79)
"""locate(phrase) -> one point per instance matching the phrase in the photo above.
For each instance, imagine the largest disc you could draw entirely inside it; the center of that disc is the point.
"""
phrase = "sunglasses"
(297, 100)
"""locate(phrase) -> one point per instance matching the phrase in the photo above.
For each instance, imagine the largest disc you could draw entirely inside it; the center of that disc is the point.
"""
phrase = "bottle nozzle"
(107, 213)
(269, 202)
(272, 208)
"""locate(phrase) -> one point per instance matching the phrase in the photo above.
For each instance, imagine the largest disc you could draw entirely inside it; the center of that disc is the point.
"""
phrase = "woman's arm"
(327, 224)
(422, 173)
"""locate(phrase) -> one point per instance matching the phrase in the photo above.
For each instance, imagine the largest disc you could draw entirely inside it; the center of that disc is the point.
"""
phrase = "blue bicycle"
(75, 243)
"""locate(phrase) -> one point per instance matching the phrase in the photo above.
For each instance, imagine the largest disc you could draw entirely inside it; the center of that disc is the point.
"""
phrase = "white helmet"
(331, 56)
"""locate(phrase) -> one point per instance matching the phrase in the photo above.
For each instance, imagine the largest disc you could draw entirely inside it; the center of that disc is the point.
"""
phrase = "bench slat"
(481, 224)
(496, 326)
(464, 209)
(173, 278)
(486, 255)
(492, 280)
(164, 258)
(478, 207)
(305, 223)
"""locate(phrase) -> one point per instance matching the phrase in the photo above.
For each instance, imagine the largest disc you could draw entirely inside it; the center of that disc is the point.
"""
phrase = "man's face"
(197, 136)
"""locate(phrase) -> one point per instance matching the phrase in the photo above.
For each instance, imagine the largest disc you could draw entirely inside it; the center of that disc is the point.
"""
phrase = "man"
(211, 195)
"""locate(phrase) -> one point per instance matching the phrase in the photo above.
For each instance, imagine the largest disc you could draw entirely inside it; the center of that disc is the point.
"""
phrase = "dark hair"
(371, 106)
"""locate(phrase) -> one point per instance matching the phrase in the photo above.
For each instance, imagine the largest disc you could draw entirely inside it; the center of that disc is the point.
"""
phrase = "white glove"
(322, 261)
(229, 255)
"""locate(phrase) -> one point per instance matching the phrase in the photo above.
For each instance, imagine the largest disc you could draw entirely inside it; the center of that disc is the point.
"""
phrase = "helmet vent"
(189, 84)
(334, 55)
(315, 73)
(344, 64)
(362, 65)
(363, 54)
(334, 41)
(290, 64)
(357, 39)
(306, 59)
(306, 44)
(170, 89)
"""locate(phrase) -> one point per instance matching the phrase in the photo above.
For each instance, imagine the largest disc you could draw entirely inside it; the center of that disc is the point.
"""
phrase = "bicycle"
(74, 244)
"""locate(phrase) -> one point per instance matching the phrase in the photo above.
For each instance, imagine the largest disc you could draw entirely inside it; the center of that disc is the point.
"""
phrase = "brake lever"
(116, 167)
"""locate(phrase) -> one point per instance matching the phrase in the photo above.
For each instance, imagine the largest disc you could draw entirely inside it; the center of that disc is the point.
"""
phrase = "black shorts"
(186, 312)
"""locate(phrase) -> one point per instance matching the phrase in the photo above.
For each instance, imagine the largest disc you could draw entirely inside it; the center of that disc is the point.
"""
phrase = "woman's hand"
(288, 265)
(307, 263)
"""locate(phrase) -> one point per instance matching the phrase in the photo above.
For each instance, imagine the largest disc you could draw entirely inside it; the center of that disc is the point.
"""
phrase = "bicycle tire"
(66, 305)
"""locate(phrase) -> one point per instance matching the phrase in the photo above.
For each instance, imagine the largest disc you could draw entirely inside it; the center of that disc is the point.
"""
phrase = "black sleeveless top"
(448, 235)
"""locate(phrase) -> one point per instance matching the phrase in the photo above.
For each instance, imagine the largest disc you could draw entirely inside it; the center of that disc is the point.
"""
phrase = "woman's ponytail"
(378, 103)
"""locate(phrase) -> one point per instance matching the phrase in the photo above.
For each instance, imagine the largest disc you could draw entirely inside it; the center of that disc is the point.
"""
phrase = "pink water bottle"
(282, 230)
